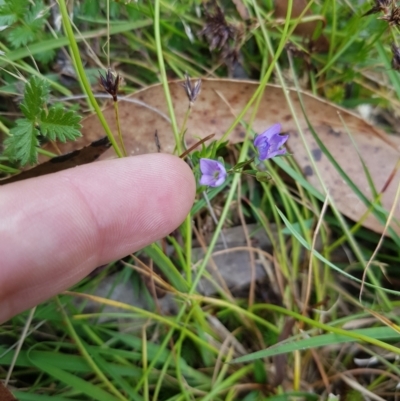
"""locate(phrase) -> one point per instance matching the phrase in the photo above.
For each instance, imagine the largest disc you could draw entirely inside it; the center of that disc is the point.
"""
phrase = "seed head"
(217, 30)
(192, 90)
(110, 82)
(392, 17)
(380, 6)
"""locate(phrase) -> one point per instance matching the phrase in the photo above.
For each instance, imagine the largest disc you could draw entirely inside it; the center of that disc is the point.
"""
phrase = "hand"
(56, 229)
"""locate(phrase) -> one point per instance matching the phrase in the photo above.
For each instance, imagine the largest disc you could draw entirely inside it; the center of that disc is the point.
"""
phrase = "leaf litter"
(213, 115)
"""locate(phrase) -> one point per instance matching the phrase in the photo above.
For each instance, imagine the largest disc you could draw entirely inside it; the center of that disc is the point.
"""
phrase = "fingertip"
(55, 229)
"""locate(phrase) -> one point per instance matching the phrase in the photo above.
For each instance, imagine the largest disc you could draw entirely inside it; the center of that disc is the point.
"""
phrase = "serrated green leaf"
(37, 11)
(60, 124)
(22, 145)
(20, 36)
(36, 17)
(7, 18)
(31, 17)
(45, 57)
(11, 11)
(35, 96)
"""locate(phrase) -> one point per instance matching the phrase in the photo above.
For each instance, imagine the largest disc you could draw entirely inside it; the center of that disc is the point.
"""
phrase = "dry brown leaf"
(211, 114)
(74, 158)
(5, 394)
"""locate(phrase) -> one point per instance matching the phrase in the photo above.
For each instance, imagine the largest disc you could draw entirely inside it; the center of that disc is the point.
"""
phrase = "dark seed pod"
(396, 57)
(393, 18)
(110, 83)
(380, 6)
(192, 90)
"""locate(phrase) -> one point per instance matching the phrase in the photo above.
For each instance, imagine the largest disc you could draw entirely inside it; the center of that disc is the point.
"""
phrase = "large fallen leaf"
(5, 394)
(73, 158)
(214, 111)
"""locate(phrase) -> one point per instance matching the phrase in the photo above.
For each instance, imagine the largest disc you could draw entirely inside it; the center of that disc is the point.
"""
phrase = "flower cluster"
(269, 144)
(213, 173)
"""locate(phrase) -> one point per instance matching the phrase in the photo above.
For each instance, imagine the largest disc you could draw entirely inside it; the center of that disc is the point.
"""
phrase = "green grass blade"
(166, 266)
(80, 385)
(378, 333)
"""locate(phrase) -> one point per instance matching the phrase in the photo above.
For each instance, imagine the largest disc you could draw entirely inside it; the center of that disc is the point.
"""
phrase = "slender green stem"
(265, 78)
(178, 135)
(187, 225)
(222, 218)
(116, 109)
(175, 129)
(188, 248)
(4, 128)
(20, 343)
(161, 376)
(82, 75)
(144, 363)
(163, 75)
(108, 34)
(46, 152)
(8, 169)
(183, 129)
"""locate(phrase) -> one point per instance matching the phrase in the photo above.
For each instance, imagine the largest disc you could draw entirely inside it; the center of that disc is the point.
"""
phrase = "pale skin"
(55, 229)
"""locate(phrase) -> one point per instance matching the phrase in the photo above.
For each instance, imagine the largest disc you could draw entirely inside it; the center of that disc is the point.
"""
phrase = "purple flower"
(213, 173)
(269, 143)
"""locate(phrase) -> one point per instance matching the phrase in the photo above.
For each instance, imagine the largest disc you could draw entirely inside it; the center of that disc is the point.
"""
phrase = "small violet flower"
(269, 143)
(213, 173)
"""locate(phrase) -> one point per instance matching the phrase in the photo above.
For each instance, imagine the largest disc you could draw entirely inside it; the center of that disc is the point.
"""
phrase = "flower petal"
(268, 134)
(213, 172)
(263, 152)
(279, 152)
(278, 141)
(209, 166)
(221, 179)
(208, 180)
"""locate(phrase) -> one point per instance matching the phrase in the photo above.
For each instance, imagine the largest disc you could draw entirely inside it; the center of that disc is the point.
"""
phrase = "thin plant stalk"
(108, 33)
(116, 110)
(183, 129)
(20, 343)
(45, 152)
(188, 248)
(82, 75)
(163, 74)
(188, 224)
(263, 82)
